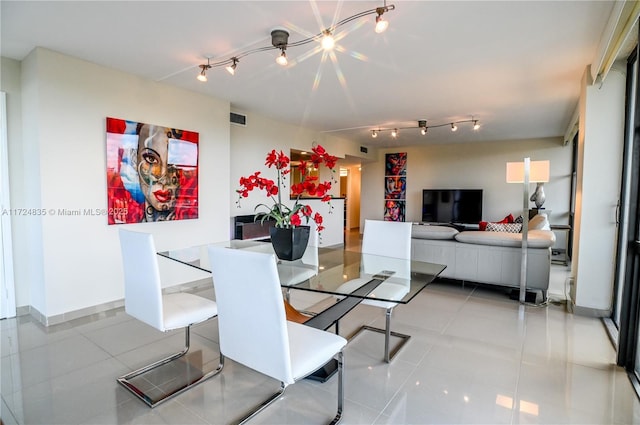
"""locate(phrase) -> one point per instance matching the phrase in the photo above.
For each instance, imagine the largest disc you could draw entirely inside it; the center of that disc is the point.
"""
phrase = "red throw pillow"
(507, 219)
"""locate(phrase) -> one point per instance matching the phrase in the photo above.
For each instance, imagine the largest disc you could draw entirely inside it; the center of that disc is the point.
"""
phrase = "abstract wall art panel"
(152, 172)
(395, 186)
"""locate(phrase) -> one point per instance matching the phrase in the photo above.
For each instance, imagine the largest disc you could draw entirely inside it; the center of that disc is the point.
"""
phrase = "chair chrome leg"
(262, 405)
(387, 334)
(125, 380)
(389, 354)
(338, 417)
(283, 387)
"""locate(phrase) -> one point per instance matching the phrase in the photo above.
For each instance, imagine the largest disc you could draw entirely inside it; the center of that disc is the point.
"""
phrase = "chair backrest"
(388, 238)
(252, 323)
(314, 237)
(311, 253)
(142, 285)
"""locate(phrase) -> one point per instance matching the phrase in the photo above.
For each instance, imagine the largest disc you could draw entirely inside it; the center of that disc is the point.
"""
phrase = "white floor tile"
(475, 357)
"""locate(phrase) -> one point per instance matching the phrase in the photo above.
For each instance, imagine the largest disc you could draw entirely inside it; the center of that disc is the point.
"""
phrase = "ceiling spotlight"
(374, 134)
(282, 59)
(476, 126)
(381, 24)
(231, 69)
(327, 40)
(203, 74)
(454, 127)
(280, 39)
(423, 130)
(394, 133)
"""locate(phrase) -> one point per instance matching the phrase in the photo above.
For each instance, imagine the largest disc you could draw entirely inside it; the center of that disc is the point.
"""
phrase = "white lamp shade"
(538, 172)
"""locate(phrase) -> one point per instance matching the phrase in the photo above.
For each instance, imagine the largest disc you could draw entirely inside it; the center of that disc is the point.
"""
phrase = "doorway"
(350, 192)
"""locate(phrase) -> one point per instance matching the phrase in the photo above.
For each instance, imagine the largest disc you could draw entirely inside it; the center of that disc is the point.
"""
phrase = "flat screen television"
(462, 206)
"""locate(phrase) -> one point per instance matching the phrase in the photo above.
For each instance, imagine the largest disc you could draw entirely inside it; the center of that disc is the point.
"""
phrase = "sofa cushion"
(425, 231)
(539, 222)
(504, 227)
(535, 238)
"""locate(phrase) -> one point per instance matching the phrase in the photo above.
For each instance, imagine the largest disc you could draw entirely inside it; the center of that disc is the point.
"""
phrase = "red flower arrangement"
(283, 215)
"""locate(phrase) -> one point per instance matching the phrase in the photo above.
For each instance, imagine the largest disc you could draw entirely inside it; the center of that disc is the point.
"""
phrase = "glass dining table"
(349, 276)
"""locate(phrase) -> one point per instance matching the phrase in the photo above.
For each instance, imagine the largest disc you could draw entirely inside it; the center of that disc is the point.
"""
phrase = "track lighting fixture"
(381, 24)
(203, 74)
(282, 59)
(327, 40)
(280, 41)
(422, 125)
(231, 69)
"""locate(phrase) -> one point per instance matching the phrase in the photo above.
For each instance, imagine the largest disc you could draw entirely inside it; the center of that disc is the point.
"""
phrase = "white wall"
(249, 149)
(69, 263)
(472, 166)
(600, 145)
(10, 83)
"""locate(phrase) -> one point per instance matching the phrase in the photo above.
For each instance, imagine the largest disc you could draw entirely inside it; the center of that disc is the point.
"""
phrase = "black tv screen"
(452, 206)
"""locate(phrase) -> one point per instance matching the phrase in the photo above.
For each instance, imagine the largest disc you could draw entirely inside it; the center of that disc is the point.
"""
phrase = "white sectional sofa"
(490, 257)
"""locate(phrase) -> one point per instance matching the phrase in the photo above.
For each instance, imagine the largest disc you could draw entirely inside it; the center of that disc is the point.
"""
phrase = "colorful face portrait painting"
(396, 164)
(395, 187)
(394, 210)
(152, 172)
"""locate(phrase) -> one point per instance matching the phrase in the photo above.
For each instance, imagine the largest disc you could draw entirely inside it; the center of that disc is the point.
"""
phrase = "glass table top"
(332, 271)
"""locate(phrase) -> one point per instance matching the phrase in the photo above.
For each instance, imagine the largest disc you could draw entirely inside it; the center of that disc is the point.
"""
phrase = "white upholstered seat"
(143, 299)
(264, 340)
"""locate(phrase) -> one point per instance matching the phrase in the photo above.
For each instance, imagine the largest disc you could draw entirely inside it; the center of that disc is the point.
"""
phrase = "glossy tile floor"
(475, 357)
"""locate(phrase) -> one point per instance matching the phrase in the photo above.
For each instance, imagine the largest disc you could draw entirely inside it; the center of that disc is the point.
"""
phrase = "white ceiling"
(515, 66)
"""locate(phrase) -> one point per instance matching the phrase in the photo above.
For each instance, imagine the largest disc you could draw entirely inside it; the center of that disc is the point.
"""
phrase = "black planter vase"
(289, 243)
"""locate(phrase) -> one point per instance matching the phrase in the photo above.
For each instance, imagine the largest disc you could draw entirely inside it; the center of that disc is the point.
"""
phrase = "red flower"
(279, 160)
(284, 215)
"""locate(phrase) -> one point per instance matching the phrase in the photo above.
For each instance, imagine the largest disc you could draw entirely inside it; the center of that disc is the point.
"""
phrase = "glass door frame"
(626, 312)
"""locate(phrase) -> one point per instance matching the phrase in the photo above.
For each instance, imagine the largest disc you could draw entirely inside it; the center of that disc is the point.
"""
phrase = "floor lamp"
(526, 172)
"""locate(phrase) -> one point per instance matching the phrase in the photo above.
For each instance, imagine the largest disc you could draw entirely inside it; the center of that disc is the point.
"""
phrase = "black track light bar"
(422, 125)
(282, 46)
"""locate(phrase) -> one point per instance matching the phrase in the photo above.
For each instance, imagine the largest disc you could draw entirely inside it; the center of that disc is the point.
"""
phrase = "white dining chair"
(264, 340)
(388, 239)
(144, 300)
